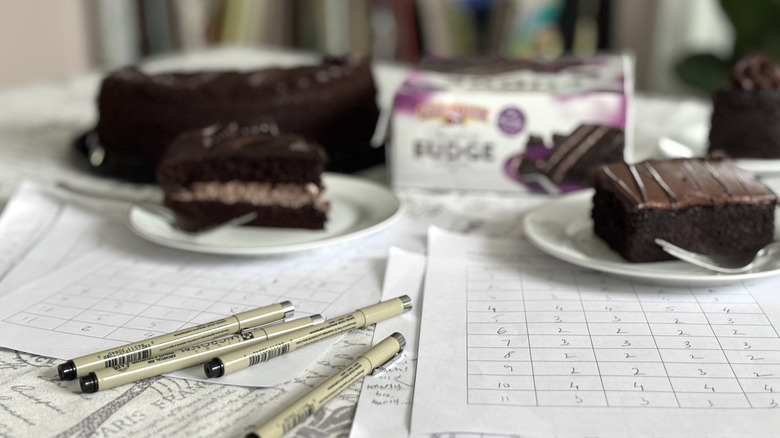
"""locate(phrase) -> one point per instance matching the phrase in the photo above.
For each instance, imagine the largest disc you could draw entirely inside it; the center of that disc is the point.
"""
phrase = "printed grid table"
(577, 338)
(131, 300)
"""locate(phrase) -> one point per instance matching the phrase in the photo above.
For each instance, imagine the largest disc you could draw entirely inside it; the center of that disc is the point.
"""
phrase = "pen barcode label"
(269, 353)
(137, 356)
(297, 417)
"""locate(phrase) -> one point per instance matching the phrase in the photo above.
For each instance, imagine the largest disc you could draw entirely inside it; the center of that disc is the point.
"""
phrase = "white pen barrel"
(262, 352)
(386, 309)
(148, 348)
(188, 356)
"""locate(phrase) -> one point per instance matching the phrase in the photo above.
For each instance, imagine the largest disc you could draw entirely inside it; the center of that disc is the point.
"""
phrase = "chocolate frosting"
(226, 85)
(678, 183)
(261, 139)
(755, 72)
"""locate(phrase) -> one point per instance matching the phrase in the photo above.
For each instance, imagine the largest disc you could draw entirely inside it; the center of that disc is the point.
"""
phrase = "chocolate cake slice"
(746, 111)
(574, 157)
(226, 170)
(709, 206)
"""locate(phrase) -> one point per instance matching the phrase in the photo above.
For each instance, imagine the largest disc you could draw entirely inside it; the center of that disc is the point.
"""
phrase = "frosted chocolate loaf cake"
(211, 175)
(705, 205)
(746, 111)
(332, 103)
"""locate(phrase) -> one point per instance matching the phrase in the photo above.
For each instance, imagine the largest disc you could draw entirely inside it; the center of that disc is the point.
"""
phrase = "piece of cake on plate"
(746, 111)
(709, 206)
(226, 170)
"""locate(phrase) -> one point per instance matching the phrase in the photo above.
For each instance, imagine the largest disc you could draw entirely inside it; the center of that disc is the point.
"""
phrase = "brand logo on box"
(451, 113)
(511, 120)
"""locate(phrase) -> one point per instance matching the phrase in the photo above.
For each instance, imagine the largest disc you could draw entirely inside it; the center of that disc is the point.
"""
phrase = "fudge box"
(510, 125)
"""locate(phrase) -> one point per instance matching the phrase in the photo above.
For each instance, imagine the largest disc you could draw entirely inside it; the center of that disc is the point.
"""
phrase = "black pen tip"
(89, 383)
(67, 370)
(214, 368)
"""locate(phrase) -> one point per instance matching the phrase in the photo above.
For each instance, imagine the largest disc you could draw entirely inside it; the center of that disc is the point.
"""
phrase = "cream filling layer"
(259, 194)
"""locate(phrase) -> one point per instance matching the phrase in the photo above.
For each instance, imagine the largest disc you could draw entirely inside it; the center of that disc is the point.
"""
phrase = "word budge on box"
(486, 124)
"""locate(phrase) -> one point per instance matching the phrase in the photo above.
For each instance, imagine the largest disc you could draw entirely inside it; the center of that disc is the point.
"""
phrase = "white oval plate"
(357, 208)
(759, 166)
(563, 229)
(672, 148)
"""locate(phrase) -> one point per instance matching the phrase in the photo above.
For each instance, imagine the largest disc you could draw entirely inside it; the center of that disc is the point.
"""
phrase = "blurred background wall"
(55, 39)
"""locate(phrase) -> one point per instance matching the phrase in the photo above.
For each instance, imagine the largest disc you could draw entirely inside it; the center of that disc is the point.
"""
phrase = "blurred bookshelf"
(399, 30)
(99, 35)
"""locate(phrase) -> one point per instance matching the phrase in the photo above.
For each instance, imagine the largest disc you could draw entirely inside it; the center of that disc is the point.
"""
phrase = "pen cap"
(264, 315)
(384, 351)
(386, 309)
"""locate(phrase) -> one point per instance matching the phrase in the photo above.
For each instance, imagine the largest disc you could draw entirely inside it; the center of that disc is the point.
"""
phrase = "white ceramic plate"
(358, 208)
(563, 228)
(758, 166)
(673, 148)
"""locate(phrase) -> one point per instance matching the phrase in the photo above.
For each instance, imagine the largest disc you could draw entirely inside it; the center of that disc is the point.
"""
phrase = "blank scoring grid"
(558, 337)
(126, 300)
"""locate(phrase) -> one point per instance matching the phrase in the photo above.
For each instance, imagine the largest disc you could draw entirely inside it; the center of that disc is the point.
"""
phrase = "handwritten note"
(385, 404)
(515, 342)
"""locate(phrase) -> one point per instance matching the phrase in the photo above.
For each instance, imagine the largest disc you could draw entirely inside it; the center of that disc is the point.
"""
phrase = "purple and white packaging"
(468, 130)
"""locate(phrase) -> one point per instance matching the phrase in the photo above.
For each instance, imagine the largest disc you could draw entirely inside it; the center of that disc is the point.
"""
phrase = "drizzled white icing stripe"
(661, 183)
(621, 183)
(638, 181)
(716, 175)
(692, 174)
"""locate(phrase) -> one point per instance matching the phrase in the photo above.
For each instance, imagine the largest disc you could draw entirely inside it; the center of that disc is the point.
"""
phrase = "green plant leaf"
(703, 71)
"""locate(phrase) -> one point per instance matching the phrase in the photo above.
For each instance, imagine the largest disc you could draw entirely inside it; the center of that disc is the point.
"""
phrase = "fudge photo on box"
(215, 174)
(708, 206)
(746, 111)
(570, 163)
(332, 103)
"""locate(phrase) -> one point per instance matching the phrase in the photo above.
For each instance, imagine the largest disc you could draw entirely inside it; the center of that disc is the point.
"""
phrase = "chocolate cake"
(746, 111)
(332, 103)
(223, 171)
(704, 205)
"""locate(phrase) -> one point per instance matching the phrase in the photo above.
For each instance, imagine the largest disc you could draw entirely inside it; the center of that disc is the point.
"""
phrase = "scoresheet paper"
(514, 342)
(81, 282)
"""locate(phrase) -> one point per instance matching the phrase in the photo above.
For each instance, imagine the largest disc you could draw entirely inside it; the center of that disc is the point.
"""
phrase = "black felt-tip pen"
(142, 350)
(184, 357)
(310, 403)
(264, 351)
